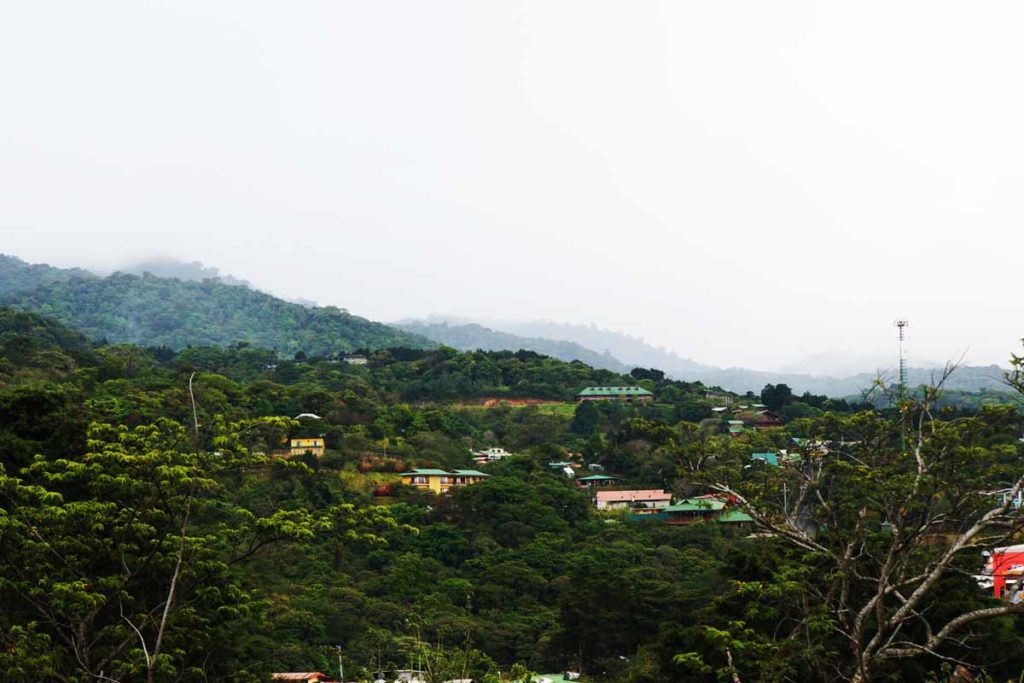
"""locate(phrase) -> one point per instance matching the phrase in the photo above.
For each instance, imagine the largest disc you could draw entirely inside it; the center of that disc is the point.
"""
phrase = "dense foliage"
(147, 536)
(154, 311)
(17, 276)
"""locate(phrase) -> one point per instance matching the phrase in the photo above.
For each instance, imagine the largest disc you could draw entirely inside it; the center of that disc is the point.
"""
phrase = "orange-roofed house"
(303, 677)
(638, 502)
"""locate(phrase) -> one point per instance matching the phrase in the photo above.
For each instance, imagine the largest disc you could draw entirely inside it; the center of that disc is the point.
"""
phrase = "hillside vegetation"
(17, 276)
(120, 487)
(154, 311)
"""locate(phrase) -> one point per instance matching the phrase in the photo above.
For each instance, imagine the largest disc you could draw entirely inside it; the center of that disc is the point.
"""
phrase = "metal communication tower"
(901, 326)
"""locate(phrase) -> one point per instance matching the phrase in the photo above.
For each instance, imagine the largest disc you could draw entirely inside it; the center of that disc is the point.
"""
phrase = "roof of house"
(644, 494)
(770, 458)
(596, 477)
(298, 676)
(423, 472)
(734, 517)
(735, 422)
(696, 505)
(615, 391)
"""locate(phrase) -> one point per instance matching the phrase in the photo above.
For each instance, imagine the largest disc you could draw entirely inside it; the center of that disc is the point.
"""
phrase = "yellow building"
(439, 481)
(314, 445)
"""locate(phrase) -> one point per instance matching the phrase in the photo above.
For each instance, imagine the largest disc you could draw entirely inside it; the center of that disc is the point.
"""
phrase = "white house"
(490, 454)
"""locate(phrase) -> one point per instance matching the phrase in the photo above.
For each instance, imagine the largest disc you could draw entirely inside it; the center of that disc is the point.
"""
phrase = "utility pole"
(341, 668)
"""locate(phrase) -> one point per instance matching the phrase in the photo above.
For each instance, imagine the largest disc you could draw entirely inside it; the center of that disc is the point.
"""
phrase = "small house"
(736, 427)
(313, 445)
(490, 455)
(355, 360)
(767, 418)
(692, 510)
(639, 502)
(623, 394)
(303, 677)
(594, 480)
(441, 481)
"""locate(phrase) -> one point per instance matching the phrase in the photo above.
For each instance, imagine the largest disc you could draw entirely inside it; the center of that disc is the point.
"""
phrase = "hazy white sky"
(747, 183)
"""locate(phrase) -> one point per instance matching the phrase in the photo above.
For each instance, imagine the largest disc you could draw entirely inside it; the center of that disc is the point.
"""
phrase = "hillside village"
(443, 516)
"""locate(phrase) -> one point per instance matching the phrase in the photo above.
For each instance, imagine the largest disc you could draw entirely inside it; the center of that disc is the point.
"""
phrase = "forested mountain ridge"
(17, 275)
(471, 336)
(154, 311)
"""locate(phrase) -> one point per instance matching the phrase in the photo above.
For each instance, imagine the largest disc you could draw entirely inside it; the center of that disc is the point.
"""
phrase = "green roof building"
(770, 458)
(440, 481)
(734, 516)
(691, 510)
(624, 394)
(597, 480)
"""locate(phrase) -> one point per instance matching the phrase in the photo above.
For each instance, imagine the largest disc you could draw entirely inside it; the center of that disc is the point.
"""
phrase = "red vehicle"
(1006, 565)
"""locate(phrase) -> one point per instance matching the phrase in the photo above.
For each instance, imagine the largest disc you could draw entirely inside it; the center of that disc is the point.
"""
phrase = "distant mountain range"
(471, 337)
(631, 352)
(178, 304)
(163, 311)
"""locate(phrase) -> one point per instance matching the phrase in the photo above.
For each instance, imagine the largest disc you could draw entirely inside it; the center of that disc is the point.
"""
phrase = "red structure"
(1006, 566)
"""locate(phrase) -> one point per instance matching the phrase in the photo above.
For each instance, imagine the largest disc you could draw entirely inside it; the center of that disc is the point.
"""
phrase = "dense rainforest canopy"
(148, 530)
(157, 311)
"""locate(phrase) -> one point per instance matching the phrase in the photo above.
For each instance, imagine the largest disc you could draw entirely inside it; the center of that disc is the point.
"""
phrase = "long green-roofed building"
(624, 394)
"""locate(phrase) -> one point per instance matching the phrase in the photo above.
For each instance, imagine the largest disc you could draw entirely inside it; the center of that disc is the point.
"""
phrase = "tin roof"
(734, 517)
(615, 391)
(423, 472)
(644, 494)
(695, 505)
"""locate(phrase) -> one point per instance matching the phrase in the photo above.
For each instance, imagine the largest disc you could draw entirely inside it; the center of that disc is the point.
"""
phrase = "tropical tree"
(880, 527)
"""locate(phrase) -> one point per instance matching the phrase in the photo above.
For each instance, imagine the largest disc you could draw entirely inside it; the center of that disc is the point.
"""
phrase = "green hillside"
(153, 311)
(126, 471)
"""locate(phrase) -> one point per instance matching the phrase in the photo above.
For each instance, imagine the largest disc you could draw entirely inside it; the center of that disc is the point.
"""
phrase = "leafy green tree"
(884, 519)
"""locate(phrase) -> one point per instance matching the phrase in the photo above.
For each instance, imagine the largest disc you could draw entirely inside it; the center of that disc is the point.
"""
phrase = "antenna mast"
(901, 326)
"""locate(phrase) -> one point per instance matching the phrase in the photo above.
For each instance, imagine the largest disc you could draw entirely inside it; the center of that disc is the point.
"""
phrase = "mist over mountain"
(471, 337)
(179, 303)
(861, 373)
(193, 271)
